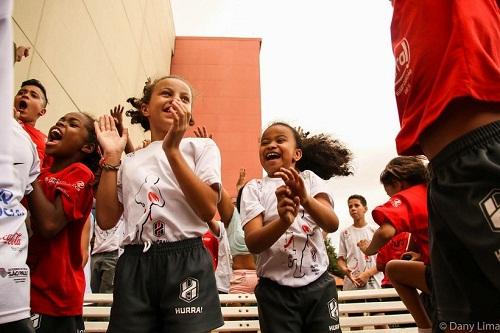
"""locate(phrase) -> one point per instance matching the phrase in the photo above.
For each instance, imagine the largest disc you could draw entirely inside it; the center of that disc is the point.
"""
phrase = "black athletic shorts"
(18, 326)
(312, 308)
(49, 324)
(169, 288)
(464, 226)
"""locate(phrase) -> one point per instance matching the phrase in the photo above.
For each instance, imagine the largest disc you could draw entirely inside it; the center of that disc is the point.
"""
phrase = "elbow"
(207, 214)
(253, 246)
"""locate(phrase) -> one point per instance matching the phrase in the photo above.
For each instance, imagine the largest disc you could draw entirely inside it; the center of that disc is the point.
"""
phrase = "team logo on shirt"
(148, 196)
(5, 196)
(396, 203)
(333, 309)
(36, 319)
(189, 290)
(403, 70)
(490, 206)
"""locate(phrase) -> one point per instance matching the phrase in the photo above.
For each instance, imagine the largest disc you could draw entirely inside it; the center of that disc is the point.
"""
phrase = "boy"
(360, 270)
(448, 97)
(30, 104)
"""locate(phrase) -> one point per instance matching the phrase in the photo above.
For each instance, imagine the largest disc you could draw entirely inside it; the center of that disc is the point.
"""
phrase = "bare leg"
(407, 277)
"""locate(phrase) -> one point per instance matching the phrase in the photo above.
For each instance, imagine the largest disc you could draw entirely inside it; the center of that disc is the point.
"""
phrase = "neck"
(360, 222)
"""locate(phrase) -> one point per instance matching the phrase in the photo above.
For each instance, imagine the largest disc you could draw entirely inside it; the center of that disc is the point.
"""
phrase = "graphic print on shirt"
(403, 69)
(296, 256)
(148, 196)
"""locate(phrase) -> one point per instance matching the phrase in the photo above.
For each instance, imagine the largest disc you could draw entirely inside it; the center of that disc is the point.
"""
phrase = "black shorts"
(464, 226)
(49, 324)
(312, 308)
(169, 288)
(18, 326)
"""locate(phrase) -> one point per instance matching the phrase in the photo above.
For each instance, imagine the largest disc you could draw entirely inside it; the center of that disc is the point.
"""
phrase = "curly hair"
(136, 114)
(322, 154)
(91, 160)
(410, 169)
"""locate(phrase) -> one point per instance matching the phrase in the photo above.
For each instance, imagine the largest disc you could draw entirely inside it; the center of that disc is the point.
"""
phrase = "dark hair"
(92, 159)
(36, 83)
(238, 197)
(410, 169)
(325, 156)
(136, 114)
(359, 197)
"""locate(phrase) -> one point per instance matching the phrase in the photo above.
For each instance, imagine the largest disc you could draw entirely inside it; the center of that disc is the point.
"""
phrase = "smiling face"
(278, 149)
(30, 104)
(69, 137)
(159, 108)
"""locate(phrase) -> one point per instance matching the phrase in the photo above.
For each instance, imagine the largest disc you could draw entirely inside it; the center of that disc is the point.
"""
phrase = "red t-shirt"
(212, 245)
(444, 49)
(38, 138)
(392, 250)
(407, 212)
(57, 278)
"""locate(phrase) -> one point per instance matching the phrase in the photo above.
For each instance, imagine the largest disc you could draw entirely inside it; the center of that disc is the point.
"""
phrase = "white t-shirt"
(154, 206)
(356, 260)
(299, 256)
(107, 240)
(14, 273)
(224, 270)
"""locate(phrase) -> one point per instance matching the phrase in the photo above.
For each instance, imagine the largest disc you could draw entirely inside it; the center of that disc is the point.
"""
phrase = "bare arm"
(381, 237)
(108, 207)
(85, 242)
(49, 216)
(225, 208)
(260, 237)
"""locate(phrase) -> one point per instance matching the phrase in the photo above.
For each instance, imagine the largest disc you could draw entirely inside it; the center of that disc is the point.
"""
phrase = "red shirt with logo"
(444, 49)
(390, 251)
(407, 212)
(57, 278)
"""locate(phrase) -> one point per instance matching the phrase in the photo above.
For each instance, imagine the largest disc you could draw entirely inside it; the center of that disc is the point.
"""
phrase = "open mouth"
(55, 134)
(272, 156)
(22, 105)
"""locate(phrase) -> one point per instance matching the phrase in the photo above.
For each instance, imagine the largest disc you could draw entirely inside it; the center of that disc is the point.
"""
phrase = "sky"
(327, 66)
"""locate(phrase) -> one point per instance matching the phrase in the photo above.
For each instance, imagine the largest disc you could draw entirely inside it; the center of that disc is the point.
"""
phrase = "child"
(282, 216)
(15, 279)
(166, 191)
(405, 181)
(360, 270)
(60, 205)
(30, 104)
(448, 97)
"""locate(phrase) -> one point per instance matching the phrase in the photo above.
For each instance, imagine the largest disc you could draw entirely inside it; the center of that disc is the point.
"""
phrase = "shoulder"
(78, 172)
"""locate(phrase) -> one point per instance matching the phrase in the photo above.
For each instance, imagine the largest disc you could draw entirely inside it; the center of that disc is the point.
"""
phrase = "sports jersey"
(38, 138)
(392, 250)
(154, 206)
(407, 212)
(461, 59)
(356, 260)
(299, 256)
(14, 273)
(57, 278)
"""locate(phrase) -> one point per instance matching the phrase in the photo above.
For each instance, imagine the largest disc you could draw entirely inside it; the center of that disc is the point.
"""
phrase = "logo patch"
(490, 206)
(36, 319)
(189, 290)
(403, 70)
(333, 309)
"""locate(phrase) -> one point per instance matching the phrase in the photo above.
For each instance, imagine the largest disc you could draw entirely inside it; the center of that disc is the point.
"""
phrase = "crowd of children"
(157, 203)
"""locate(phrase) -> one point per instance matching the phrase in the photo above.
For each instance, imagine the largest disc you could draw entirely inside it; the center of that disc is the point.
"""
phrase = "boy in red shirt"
(30, 104)
(448, 96)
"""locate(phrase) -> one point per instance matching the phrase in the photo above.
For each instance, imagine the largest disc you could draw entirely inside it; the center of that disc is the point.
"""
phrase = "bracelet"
(109, 167)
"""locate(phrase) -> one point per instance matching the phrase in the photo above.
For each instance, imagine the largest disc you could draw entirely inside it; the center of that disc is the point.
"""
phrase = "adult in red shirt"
(448, 96)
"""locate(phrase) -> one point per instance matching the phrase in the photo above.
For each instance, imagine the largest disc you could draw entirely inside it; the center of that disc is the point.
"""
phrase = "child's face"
(29, 102)
(69, 136)
(393, 188)
(278, 149)
(356, 209)
(159, 108)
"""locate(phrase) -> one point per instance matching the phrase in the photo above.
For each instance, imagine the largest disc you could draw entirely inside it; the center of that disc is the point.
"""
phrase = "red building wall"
(225, 75)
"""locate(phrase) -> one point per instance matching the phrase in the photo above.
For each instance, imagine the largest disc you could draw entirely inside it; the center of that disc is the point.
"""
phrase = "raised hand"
(202, 133)
(241, 179)
(110, 141)
(117, 114)
(181, 116)
(294, 182)
(288, 206)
